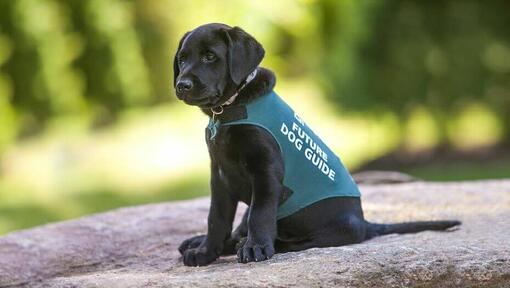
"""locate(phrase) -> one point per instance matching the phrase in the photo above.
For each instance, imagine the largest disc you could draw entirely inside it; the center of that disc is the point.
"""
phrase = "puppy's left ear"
(244, 53)
(177, 71)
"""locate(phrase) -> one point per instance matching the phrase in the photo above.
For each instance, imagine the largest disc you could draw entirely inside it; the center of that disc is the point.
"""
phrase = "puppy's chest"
(226, 152)
(224, 146)
(231, 167)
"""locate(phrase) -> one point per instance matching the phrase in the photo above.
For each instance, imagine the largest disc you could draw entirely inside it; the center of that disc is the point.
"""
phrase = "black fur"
(246, 164)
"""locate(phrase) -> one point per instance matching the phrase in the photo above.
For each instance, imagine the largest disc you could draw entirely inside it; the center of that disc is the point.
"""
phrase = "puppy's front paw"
(253, 252)
(198, 257)
(191, 243)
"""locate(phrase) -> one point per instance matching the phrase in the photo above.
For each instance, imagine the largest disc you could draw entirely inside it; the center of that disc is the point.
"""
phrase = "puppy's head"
(211, 63)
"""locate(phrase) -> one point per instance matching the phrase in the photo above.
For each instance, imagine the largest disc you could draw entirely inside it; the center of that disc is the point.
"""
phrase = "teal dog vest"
(312, 171)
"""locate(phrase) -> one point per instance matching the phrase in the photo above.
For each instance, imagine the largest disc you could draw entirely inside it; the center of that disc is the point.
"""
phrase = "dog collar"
(246, 82)
(214, 122)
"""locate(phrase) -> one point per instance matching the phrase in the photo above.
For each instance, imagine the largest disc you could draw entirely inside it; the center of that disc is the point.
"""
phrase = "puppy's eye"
(209, 57)
(181, 61)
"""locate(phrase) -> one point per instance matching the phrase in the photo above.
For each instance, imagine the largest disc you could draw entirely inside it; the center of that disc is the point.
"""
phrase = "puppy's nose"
(184, 85)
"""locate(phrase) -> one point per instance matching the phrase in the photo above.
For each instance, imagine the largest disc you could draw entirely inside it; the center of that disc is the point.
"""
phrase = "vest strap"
(232, 113)
(228, 114)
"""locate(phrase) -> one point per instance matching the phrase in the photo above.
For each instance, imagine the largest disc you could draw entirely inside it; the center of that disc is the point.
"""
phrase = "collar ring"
(217, 112)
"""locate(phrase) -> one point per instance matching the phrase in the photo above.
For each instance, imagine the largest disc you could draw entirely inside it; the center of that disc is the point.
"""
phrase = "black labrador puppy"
(216, 69)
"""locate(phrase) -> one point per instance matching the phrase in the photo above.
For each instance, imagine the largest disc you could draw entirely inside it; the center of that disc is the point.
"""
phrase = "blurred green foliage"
(399, 56)
(80, 57)
(95, 58)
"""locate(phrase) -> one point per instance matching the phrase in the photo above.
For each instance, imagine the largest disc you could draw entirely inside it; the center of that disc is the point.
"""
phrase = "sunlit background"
(89, 120)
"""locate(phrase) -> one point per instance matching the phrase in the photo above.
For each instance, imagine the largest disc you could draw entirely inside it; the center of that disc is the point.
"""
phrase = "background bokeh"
(89, 121)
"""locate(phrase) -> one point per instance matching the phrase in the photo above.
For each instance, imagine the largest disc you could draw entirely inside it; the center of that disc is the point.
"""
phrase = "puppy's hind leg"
(230, 245)
(191, 243)
(346, 229)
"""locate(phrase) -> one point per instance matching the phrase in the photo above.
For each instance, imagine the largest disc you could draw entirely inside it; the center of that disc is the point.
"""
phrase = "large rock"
(137, 247)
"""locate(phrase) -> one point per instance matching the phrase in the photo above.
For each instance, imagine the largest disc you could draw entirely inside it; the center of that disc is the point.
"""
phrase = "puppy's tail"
(374, 229)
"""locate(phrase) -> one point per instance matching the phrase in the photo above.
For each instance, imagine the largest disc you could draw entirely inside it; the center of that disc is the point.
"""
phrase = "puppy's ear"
(244, 53)
(176, 60)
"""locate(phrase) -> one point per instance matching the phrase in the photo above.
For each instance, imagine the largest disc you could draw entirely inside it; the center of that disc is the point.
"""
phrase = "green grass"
(461, 170)
(15, 216)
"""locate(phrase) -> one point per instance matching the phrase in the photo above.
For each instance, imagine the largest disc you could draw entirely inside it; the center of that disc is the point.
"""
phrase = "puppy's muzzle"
(183, 86)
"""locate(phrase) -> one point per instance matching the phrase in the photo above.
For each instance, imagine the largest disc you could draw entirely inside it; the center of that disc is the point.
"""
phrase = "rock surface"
(137, 247)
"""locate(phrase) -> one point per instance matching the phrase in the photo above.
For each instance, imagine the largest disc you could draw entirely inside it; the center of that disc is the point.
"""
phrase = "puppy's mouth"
(210, 101)
(197, 101)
